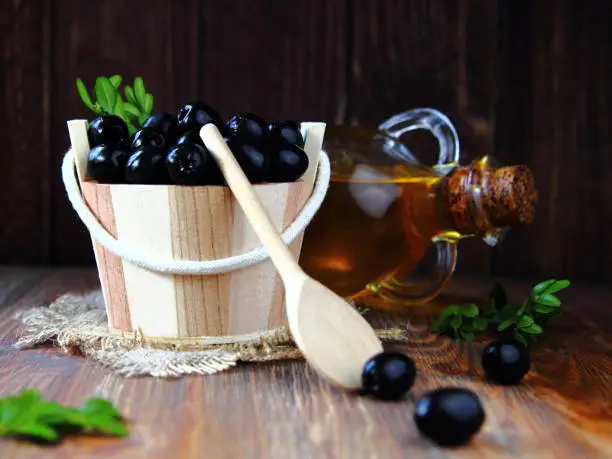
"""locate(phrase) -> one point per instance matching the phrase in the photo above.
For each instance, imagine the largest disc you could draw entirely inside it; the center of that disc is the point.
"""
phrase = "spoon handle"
(251, 204)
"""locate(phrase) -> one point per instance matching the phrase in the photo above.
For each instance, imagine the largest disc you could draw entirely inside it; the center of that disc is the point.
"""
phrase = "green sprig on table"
(525, 321)
(27, 415)
(136, 107)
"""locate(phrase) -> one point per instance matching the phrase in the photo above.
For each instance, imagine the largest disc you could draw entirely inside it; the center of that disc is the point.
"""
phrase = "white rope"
(189, 267)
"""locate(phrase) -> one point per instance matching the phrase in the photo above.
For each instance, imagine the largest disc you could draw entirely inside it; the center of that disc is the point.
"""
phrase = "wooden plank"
(561, 410)
(151, 38)
(24, 123)
(276, 59)
(422, 53)
(555, 116)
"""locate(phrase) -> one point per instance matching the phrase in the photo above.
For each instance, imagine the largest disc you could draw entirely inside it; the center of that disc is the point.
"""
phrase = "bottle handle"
(433, 121)
(445, 133)
(392, 290)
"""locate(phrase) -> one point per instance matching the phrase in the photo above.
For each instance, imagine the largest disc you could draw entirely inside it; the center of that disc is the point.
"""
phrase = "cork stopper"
(481, 198)
(511, 197)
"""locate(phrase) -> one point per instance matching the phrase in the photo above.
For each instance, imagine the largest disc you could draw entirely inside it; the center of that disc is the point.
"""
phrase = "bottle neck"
(481, 200)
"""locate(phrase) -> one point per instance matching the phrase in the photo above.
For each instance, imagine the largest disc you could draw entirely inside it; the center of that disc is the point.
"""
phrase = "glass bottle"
(385, 211)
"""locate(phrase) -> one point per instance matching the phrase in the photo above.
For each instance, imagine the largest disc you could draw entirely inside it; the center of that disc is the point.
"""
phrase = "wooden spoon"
(334, 338)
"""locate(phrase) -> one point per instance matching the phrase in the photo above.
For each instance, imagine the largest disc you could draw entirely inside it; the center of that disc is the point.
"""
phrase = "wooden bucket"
(190, 223)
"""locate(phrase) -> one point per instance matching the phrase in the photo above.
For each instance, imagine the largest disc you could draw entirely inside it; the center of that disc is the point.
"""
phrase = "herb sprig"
(525, 321)
(137, 106)
(27, 415)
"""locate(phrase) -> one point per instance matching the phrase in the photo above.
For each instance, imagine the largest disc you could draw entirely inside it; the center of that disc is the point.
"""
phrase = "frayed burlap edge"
(77, 324)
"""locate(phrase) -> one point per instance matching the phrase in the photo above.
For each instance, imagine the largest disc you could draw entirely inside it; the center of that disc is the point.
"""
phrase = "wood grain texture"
(555, 116)
(277, 59)
(110, 266)
(279, 410)
(190, 223)
(24, 128)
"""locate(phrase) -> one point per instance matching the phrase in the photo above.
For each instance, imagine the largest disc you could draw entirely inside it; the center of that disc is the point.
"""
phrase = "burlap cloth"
(77, 324)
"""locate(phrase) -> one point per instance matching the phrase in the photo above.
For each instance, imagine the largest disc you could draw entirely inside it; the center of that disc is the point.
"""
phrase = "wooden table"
(284, 410)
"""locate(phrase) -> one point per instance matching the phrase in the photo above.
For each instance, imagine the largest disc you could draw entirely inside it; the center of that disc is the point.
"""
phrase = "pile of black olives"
(168, 149)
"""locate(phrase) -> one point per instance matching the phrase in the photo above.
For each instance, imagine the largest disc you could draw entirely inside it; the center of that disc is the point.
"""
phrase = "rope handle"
(189, 267)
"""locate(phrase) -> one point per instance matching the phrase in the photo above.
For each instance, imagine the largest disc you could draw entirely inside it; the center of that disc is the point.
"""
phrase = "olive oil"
(373, 225)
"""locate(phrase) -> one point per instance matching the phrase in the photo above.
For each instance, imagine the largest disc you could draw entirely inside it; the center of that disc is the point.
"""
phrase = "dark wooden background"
(526, 80)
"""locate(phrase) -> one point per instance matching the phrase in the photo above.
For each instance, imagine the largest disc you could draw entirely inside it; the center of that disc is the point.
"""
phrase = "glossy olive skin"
(163, 123)
(194, 115)
(252, 158)
(286, 131)
(449, 416)
(146, 166)
(505, 362)
(288, 163)
(106, 163)
(108, 130)
(388, 375)
(190, 137)
(191, 164)
(247, 126)
(147, 137)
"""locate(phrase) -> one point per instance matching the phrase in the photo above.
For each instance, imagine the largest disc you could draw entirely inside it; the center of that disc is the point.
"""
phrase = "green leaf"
(543, 308)
(509, 310)
(558, 285)
(520, 338)
(548, 300)
(27, 415)
(129, 95)
(148, 103)
(524, 322)
(142, 118)
(506, 324)
(139, 92)
(82, 90)
(36, 430)
(106, 94)
(449, 311)
(533, 329)
(466, 335)
(100, 406)
(455, 322)
(469, 310)
(107, 425)
(131, 109)
(115, 81)
(480, 323)
(440, 325)
(498, 295)
(542, 287)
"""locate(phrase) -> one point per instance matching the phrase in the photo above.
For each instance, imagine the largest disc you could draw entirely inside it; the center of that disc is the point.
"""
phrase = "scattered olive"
(388, 375)
(505, 362)
(449, 416)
